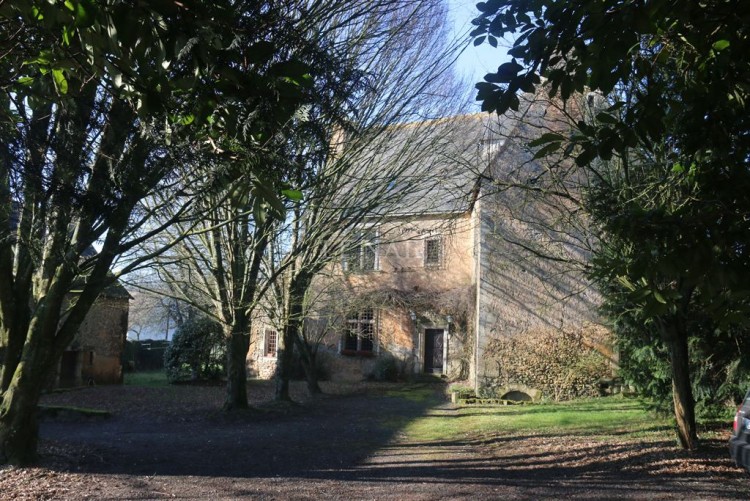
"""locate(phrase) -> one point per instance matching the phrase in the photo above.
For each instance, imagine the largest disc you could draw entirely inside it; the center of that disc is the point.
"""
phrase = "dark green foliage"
(666, 269)
(674, 123)
(644, 362)
(386, 369)
(597, 45)
(95, 97)
(668, 153)
(175, 47)
(719, 362)
(197, 351)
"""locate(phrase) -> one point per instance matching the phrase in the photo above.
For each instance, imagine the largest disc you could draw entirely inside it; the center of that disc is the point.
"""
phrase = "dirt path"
(172, 443)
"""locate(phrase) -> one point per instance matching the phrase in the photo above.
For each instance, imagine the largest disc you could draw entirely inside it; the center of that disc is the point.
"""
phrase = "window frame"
(363, 327)
(267, 335)
(354, 259)
(438, 263)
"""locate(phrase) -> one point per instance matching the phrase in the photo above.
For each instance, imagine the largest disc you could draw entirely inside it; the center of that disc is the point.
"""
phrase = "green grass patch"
(420, 392)
(149, 379)
(601, 417)
(461, 388)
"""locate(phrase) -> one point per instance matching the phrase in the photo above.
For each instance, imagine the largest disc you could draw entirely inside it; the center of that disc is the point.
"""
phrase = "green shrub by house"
(386, 369)
(561, 365)
(197, 351)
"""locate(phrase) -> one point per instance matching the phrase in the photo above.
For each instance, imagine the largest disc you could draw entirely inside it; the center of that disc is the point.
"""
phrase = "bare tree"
(372, 167)
(155, 311)
(390, 80)
(146, 316)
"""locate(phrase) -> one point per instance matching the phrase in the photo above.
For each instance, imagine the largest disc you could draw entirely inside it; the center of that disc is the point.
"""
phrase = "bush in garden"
(385, 369)
(197, 351)
(562, 365)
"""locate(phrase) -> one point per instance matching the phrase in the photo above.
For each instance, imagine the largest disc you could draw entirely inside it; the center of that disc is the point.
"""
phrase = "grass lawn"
(600, 418)
(148, 379)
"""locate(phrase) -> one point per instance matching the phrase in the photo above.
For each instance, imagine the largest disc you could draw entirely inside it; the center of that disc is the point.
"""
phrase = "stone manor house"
(440, 278)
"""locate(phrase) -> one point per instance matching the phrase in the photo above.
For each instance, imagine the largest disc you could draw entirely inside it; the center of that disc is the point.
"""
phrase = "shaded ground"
(173, 443)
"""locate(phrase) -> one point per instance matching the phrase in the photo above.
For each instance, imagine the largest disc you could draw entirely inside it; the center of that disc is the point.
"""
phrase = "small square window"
(433, 250)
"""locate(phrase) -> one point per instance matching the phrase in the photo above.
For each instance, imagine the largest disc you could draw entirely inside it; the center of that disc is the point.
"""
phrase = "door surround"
(422, 365)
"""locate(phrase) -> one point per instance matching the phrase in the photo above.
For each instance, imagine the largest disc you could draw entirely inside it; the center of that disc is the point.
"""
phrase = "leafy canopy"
(595, 45)
(669, 144)
(209, 58)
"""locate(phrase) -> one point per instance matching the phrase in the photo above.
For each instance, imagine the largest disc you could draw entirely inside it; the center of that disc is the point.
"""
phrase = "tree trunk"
(307, 357)
(238, 345)
(311, 376)
(284, 365)
(18, 409)
(682, 392)
(18, 424)
(10, 358)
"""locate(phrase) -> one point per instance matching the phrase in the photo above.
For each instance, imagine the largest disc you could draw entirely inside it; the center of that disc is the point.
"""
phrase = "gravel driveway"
(173, 443)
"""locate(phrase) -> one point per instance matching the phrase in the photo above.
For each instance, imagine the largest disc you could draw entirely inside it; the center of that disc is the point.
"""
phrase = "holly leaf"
(293, 195)
(61, 83)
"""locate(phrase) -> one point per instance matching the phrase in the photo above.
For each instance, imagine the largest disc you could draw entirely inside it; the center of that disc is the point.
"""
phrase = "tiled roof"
(442, 161)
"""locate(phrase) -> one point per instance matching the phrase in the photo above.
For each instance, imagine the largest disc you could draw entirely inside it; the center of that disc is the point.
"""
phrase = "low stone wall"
(343, 368)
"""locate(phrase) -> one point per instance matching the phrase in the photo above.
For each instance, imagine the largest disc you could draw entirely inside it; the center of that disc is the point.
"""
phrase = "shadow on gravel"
(628, 470)
(329, 434)
(355, 439)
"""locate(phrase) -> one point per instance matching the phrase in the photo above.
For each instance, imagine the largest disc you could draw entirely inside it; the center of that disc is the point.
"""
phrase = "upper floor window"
(359, 338)
(271, 343)
(363, 253)
(433, 251)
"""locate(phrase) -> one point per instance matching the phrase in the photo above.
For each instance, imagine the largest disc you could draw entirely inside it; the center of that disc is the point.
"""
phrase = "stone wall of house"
(343, 368)
(401, 255)
(401, 285)
(100, 342)
(519, 293)
(260, 364)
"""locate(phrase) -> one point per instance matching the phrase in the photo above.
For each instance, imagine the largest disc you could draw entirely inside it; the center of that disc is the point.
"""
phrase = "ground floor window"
(271, 343)
(359, 338)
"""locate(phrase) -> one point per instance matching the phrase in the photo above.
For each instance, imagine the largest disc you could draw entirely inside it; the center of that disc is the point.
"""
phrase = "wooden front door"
(433, 351)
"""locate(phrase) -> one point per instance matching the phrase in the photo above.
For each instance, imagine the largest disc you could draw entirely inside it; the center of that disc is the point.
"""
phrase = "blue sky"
(474, 62)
